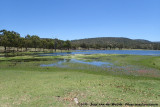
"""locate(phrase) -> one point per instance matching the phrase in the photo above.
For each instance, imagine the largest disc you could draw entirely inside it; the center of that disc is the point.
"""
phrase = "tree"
(120, 46)
(68, 44)
(110, 46)
(155, 46)
(44, 44)
(97, 46)
(27, 42)
(83, 45)
(114, 46)
(4, 39)
(60, 44)
(21, 43)
(15, 39)
(0, 40)
(55, 44)
(35, 41)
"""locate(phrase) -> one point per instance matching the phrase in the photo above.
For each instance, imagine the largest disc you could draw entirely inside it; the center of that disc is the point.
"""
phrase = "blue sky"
(77, 19)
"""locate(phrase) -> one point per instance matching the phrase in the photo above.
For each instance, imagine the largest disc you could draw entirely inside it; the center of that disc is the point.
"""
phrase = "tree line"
(13, 39)
(10, 39)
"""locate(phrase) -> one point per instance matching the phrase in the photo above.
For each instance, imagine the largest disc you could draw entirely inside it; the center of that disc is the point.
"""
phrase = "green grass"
(24, 83)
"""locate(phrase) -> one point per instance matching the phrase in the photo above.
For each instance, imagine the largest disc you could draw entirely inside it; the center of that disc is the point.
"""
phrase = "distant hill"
(105, 42)
(142, 40)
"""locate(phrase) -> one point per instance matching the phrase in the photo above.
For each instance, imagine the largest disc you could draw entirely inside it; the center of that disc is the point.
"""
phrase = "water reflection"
(60, 63)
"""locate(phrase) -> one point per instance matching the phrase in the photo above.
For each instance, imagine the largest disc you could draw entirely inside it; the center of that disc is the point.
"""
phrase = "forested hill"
(116, 42)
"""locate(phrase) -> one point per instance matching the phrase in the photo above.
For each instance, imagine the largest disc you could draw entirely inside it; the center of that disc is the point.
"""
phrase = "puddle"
(95, 63)
(57, 64)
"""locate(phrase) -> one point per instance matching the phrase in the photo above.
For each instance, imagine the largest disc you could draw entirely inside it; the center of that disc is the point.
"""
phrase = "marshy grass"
(23, 82)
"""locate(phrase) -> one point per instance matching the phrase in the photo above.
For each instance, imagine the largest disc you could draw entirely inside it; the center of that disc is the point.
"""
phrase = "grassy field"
(24, 83)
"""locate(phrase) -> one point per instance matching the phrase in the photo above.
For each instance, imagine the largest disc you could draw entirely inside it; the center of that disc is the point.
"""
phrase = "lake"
(129, 52)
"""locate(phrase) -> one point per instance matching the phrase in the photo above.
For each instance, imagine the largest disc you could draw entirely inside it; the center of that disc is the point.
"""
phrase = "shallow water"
(130, 52)
(107, 66)
(60, 63)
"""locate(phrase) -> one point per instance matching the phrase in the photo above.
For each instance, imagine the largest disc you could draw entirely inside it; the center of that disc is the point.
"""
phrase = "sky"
(78, 19)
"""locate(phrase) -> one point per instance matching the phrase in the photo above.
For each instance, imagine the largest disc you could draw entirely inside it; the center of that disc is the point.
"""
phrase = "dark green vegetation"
(12, 42)
(113, 43)
(24, 83)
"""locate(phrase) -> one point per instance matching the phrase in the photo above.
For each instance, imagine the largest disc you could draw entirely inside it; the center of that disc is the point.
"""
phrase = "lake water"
(130, 52)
